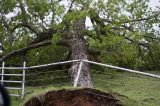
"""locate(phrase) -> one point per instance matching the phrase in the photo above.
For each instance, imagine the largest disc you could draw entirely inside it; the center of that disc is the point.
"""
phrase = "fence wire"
(37, 77)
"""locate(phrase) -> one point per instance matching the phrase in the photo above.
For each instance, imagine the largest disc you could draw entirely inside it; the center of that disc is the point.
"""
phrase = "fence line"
(51, 64)
(24, 68)
(38, 66)
(123, 69)
(11, 81)
(71, 61)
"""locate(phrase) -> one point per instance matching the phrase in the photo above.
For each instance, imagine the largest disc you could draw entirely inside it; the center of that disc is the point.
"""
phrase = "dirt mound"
(80, 97)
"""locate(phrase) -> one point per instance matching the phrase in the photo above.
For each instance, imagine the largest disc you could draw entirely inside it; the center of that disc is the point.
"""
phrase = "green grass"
(142, 89)
(137, 90)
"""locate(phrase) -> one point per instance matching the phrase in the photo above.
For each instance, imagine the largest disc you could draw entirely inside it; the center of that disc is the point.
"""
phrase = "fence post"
(2, 76)
(78, 73)
(23, 80)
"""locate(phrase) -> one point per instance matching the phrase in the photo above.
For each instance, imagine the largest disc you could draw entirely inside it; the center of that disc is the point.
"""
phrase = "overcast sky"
(154, 3)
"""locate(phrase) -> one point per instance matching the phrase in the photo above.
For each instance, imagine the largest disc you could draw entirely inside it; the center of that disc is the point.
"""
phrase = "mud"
(79, 97)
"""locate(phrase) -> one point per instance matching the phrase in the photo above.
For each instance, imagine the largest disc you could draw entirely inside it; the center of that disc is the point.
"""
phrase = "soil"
(79, 97)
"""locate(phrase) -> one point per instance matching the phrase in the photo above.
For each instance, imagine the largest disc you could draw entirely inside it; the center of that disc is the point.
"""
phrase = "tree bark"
(79, 50)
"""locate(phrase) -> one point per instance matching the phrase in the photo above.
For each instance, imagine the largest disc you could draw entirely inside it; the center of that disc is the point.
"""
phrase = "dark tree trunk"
(79, 50)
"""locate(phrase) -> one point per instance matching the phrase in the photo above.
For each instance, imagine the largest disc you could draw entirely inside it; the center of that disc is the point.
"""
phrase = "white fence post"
(2, 76)
(78, 74)
(23, 80)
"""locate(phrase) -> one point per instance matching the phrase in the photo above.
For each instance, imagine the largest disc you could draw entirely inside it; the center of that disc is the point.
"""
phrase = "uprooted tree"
(34, 24)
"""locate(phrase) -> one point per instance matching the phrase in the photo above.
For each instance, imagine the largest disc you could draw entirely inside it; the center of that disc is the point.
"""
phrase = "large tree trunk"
(79, 50)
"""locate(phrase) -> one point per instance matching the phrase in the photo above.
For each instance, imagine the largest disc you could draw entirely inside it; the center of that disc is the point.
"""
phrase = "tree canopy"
(124, 33)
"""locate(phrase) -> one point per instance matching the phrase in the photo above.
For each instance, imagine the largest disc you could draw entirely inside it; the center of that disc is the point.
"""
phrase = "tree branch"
(62, 43)
(150, 37)
(96, 30)
(30, 47)
(142, 19)
(129, 21)
(25, 21)
(43, 36)
(29, 26)
(25, 49)
(136, 42)
(134, 20)
(94, 51)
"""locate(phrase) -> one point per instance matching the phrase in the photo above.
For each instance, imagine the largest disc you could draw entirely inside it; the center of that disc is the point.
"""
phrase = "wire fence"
(109, 79)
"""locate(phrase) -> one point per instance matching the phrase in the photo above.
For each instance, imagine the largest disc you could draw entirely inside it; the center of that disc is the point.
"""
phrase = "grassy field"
(137, 90)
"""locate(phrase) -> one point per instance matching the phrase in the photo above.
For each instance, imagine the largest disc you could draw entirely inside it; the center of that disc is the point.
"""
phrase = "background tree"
(125, 33)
